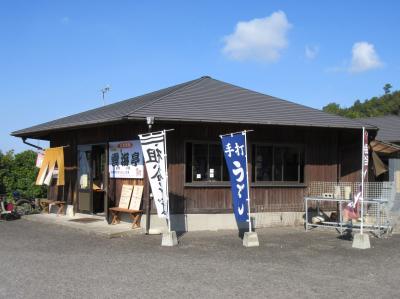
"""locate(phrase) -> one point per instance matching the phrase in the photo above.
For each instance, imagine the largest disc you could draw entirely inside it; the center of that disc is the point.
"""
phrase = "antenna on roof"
(104, 91)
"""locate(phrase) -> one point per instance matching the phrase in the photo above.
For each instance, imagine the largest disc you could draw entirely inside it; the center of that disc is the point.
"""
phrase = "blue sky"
(55, 56)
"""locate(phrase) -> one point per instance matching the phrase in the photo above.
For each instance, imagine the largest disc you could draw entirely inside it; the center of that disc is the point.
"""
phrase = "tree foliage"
(387, 104)
(18, 173)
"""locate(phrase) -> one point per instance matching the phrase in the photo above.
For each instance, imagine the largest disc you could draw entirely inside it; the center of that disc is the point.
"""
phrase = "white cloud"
(258, 39)
(311, 52)
(364, 58)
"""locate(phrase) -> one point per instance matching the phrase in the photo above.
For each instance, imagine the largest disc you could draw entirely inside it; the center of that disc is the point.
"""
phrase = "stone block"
(250, 239)
(169, 239)
(361, 241)
(70, 211)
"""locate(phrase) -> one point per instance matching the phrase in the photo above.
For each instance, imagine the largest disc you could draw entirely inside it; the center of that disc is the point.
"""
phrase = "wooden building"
(291, 145)
(386, 146)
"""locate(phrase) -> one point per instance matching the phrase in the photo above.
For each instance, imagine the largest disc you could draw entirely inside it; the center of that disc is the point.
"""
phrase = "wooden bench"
(45, 204)
(61, 207)
(135, 215)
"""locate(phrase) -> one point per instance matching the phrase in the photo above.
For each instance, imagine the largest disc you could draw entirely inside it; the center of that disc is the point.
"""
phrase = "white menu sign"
(125, 159)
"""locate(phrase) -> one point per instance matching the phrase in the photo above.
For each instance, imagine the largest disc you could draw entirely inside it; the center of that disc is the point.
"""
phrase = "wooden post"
(147, 182)
(106, 180)
(76, 164)
(148, 208)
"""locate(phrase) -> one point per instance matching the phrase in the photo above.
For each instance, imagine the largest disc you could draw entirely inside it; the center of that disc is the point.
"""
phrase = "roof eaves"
(24, 132)
(254, 123)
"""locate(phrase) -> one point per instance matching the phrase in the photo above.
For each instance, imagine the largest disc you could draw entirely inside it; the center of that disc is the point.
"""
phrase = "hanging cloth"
(53, 157)
(379, 166)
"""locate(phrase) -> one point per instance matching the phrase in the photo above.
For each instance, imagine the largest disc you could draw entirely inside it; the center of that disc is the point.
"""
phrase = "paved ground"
(95, 225)
(41, 261)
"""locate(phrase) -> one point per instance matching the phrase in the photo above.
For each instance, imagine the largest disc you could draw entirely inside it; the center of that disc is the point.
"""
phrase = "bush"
(18, 173)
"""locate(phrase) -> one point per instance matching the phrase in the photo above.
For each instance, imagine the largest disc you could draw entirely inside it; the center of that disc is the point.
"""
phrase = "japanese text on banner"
(365, 155)
(154, 157)
(234, 148)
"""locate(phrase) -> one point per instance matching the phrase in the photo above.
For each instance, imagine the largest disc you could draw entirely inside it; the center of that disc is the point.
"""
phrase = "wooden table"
(134, 214)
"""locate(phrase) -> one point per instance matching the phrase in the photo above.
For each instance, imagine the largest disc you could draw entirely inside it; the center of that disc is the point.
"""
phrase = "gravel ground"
(40, 261)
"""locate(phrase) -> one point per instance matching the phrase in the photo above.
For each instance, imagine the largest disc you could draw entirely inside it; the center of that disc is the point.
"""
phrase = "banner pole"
(248, 183)
(235, 133)
(166, 178)
(362, 182)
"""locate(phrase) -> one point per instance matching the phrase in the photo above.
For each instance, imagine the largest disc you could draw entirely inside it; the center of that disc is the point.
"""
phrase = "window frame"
(252, 179)
(208, 183)
(300, 149)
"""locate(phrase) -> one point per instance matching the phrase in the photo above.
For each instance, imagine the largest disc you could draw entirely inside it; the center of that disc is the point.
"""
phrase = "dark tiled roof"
(389, 127)
(201, 100)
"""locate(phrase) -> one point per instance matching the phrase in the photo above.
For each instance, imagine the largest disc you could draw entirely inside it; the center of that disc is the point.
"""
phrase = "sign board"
(136, 198)
(125, 159)
(153, 145)
(125, 197)
(234, 149)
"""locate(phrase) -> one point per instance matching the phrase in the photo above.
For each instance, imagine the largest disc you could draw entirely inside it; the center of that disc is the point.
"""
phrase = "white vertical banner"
(364, 172)
(155, 159)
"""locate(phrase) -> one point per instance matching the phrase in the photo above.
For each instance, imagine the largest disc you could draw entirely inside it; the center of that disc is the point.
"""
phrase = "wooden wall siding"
(328, 152)
(321, 156)
(321, 164)
(278, 199)
(350, 157)
(272, 199)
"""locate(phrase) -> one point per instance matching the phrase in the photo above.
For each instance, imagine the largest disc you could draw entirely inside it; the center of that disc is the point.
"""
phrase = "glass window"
(215, 162)
(263, 163)
(274, 163)
(278, 163)
(200, 162)
(205, 162)
(291, 164)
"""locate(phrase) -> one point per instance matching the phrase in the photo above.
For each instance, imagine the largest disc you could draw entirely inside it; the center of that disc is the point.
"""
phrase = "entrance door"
(92, 176)
(85, 179)
(98, 169)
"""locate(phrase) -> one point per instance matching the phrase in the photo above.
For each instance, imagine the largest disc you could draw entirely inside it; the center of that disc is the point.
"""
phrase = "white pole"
(166, 178)
(248, 183)
(362, 182)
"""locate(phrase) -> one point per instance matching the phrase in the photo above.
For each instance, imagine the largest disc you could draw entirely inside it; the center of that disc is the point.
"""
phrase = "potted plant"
(9, 205)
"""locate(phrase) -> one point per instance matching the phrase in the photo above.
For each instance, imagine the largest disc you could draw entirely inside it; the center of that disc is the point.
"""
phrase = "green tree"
(6, 161)
(18, 173)
(332, 108)
(375, 106)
